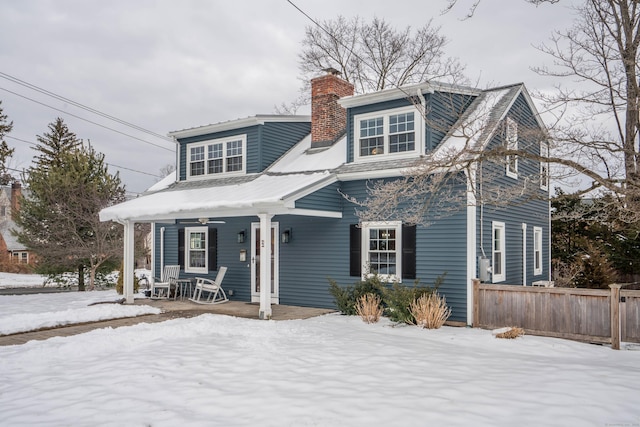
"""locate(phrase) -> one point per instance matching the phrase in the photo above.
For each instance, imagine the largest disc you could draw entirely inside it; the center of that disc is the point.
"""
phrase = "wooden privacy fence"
(593, 315)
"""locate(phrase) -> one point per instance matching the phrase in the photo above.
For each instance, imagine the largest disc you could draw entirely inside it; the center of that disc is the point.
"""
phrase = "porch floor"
(233, 308)
(170, 310)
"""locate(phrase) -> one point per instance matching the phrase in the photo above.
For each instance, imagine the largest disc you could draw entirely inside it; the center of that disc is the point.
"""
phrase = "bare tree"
(593, 122)
(597, 125)
(373, 56)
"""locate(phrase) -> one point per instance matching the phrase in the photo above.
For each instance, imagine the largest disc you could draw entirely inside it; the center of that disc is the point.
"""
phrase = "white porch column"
(265, 266)
(129, 261)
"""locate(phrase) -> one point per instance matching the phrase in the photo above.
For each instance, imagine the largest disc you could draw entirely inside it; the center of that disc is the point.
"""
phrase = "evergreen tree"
(69, 184)
(5, 151)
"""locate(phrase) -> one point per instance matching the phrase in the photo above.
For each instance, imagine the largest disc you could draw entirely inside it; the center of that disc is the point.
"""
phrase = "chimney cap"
(332, 71)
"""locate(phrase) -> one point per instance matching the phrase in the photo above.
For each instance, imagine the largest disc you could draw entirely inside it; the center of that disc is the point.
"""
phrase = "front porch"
(186, 308)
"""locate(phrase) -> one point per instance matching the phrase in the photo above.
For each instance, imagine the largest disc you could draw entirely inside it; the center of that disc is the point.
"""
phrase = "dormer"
(402, 123)
(238, 147)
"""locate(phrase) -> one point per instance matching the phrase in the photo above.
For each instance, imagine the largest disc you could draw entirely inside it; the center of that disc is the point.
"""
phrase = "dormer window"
(391, 133)
(217, 157)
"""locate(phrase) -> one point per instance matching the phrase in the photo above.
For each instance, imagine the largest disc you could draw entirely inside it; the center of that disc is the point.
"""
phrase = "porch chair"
(166, 283)
(214, 289)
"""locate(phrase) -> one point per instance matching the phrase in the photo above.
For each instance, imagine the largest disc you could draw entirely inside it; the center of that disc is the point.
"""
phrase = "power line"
(82, 106)
(108, 164)
(317, 24)
(86, 120)
(133, 170)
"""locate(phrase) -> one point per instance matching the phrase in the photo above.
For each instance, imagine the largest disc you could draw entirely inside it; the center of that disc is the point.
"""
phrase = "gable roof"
(303, 170)
(298, 173)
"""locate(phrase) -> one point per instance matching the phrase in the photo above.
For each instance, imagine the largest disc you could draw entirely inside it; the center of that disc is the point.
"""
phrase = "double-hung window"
(394, 133)
(537, 251)
(544, 166)
(196, 250)
(499, 246)
(511, 134)
(218, 157)
(382, 249)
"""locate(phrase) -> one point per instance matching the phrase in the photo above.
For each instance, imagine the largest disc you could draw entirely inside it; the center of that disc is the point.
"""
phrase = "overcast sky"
(168, 65)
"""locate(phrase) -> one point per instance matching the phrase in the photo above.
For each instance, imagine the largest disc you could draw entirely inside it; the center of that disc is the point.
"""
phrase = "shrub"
(399, 298)
(120, 282)
(368, 308)
(346, 297)
(430, 311)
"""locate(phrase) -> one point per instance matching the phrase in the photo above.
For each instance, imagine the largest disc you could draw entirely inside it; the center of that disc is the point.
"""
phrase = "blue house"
(272, 187)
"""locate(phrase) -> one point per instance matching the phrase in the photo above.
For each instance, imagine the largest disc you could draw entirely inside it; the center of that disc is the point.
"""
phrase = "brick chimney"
(16, 193)
(328, 118)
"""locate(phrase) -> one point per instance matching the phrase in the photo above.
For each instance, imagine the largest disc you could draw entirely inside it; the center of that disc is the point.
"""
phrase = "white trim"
(237, 124)
(205, 145)
(496, 225)
(537, 241)
(511, 139)
(275, 226)
(404, 92)
(524, 254)
(187, 249)
(418, 122)
(364, 245)
(471, 239)
(544, 166)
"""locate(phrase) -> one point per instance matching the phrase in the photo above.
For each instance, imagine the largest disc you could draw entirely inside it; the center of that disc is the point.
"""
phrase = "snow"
(331, 370)
(265, 190)
(11, 280)
(301, 159)
(22, 313)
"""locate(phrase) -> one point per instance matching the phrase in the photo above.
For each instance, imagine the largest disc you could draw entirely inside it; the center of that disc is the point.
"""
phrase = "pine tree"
(69, 184)
(5, 151)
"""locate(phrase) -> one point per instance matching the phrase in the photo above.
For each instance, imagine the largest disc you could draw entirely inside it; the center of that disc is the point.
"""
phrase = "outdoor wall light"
(285, 237)
(241, 235)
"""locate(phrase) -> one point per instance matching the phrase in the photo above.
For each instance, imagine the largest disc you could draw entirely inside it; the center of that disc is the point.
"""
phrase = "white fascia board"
(383, 95)
(374, 174)
(403, 92)
(237, 124)
(311, 212)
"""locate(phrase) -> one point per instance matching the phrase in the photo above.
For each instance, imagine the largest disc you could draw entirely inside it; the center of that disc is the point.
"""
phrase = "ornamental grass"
(369, 308)
(430, 311)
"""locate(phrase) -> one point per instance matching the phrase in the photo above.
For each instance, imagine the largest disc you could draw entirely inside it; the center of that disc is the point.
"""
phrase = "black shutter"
(181, 248)
(355, 250)
(213, 249)
(408, 251)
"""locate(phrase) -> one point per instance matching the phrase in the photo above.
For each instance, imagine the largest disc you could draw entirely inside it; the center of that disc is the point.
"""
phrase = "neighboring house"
(11, 250)
(287, 174)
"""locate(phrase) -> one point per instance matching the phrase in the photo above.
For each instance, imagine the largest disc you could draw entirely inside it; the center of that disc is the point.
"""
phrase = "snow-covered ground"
(10, 280)
(332, 370)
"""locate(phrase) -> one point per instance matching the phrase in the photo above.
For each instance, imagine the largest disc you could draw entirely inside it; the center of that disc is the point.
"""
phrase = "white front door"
(255, 262)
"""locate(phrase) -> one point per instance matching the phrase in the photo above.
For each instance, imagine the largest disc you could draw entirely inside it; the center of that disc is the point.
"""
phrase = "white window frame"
(209, 143)
(537, 251)
(418, 126)
(511, 138)
(366, 265)
(544, 167)
(187, 249)
(498, 226)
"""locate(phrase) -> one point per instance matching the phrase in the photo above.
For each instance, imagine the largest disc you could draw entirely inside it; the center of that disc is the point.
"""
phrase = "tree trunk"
(92, 276)
(81, 277)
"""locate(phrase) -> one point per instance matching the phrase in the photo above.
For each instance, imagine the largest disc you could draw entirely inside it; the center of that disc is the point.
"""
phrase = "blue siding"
(265, 143)
(443, 109)
(442, 112)
(528, 210)
(279, 137)
(319, 250)
(327, 199)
